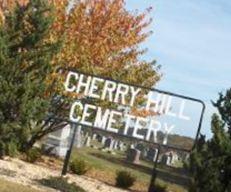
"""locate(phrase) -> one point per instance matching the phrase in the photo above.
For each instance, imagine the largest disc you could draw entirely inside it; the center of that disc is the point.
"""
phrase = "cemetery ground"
(104, 166)
(7, 186)
(100, 177)
(15, 173)
(18, 175)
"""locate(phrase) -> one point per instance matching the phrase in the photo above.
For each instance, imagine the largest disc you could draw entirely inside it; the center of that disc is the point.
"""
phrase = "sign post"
(68, 154)
(154, 172)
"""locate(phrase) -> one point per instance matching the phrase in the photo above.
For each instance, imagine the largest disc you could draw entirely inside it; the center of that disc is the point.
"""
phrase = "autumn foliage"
(102, 37)
(99, 37)
(8, 5)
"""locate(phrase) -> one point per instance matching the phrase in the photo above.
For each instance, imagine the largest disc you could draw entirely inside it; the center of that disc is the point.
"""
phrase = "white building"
(57, 143)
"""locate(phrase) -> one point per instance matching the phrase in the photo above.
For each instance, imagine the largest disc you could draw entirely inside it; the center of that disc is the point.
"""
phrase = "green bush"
(79, 167)
(33, 154)
(2, 149)
(61, 184)
(124, 179)
(160, 187)
(11, 149)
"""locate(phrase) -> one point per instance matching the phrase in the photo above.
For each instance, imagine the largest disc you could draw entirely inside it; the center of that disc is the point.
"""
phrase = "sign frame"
(154, 172)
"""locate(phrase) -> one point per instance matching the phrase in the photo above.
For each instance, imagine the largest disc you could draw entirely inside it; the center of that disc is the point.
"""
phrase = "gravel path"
(28, 174)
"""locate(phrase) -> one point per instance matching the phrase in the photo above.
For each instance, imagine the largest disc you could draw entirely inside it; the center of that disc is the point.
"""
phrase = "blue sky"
(192, 43)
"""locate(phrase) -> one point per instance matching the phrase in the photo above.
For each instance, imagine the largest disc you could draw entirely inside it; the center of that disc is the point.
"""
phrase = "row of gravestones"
(107, 142)
(134, 155)
(112, 144)
(134, 152)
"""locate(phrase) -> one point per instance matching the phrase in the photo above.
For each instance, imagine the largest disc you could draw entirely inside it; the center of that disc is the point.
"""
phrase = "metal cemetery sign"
(132, 111)
(153, 116)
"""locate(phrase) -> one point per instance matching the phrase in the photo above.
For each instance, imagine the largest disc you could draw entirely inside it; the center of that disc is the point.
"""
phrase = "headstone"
(121, 146)
(83, 138)
(186, 157)
(133, 156)
(145, 153)
(79, 137)
(115, 145)
(125, 146)
(109, 143)
(88, 141)
(152, 154)
(169, 158)
(103, 139)
(165, 160)
(94, 136)
(173, 158)
(140, 146)
(57, 143)
(99, 138)
(142, 149)
(132, 146)
(165, 140)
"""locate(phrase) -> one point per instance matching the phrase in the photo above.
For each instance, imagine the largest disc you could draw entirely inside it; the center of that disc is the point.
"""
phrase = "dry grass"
(7, 186)
(105, 165)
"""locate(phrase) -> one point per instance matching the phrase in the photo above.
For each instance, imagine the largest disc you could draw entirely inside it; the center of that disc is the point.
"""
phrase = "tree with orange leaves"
(103, 38)
(100, 37)
(6, 5)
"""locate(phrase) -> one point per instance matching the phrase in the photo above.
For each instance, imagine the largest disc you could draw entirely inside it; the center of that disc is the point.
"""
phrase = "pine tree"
(210, 162)
(223, 105)
(25, 63)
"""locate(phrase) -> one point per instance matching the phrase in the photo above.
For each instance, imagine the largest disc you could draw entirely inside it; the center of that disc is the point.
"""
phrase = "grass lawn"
(7, 186)
(105, 165)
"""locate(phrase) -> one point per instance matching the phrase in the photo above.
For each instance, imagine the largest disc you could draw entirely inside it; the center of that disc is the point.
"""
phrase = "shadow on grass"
(7, 172)
(60, 184)
(169, 174)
